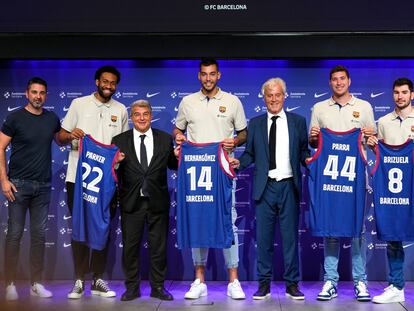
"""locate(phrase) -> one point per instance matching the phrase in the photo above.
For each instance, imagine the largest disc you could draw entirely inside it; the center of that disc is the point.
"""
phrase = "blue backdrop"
(164, 83)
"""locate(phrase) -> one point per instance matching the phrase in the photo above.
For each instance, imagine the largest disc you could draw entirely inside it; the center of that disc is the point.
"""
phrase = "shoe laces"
(389, 288)
(195, 283)
(78, 287)
(38, 287)
(362, 287)
(102, 284)
(235, 284)
(327, 286)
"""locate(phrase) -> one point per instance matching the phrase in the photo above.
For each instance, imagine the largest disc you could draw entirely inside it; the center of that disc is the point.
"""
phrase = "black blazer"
(131, 174)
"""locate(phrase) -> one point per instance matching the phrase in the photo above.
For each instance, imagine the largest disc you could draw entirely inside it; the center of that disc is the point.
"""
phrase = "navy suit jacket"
(257, 150)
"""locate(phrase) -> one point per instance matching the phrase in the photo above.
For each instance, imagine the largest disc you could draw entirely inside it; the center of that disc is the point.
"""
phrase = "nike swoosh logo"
(12, 108)
(66, 217)
(373, 232)
(408, 245)
(155, 120)
(65, 162)
(260, 95)
(66, 245)
(288, 109)
(238, 217)
(239, 189)
(120, 244)
(65, 108)
(149, 95)
(345, 246)
(175, 108)
(316, 95)
(376, 95)
(240, 244)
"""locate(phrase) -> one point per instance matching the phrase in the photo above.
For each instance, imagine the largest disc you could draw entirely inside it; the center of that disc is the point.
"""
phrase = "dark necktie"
(143, 153)
(272, 144)
(144, 164)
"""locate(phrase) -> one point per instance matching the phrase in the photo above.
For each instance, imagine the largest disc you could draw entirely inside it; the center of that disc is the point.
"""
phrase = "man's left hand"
(229, 144)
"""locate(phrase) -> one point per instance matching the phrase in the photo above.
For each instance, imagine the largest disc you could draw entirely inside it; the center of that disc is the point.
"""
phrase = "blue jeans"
(231, 255)
(35, 197)
(358, 250)
(395, 255)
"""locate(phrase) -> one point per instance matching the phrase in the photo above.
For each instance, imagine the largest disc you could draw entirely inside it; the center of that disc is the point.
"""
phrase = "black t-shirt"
(31, 143)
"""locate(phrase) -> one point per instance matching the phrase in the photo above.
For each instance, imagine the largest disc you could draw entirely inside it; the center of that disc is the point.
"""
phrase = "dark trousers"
(34, 197)
(85, 259)
(396, 256)
(132, 230)
(278, 200)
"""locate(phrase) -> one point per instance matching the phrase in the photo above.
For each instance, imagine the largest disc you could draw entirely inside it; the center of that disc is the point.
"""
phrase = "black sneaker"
(292, 291)
(100, 287)
(77, 290)
(263, 292)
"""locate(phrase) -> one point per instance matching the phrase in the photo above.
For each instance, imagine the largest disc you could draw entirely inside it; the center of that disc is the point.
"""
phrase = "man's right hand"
(314, 132)
(234, 163)
(76, 134)
(8, 189)
(180, 138)
(372, 141)
(314, 136)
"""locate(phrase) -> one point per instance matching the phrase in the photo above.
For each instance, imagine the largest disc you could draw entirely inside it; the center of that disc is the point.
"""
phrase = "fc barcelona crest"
(355, 114)
(114, 118)
(222, 109)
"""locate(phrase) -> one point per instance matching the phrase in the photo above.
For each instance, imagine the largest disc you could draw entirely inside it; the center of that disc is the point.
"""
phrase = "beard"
(36, 104)
(403, 105)
(105, 93)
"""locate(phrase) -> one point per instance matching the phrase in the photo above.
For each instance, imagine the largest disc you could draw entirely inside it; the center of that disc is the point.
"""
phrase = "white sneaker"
(11, 292)
(40, 291)
(235, 291)
(328, 292)
(361, 292)
(390, 294)
(197, 290)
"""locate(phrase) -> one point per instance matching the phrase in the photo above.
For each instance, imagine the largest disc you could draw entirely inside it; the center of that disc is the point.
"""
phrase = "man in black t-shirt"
(26, 186)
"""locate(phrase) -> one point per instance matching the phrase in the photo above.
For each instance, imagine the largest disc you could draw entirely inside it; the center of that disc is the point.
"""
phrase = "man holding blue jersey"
(102, 117)
(342, 112)
(212, 115)
(395, 128)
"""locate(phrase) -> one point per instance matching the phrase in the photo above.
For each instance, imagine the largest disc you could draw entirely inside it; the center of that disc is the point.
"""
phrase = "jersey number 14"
(204, 179)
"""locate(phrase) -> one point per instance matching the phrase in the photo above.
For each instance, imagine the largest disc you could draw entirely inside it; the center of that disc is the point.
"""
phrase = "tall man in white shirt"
(212, 115)
(342, 112)
(102, 117)
(395, 128)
